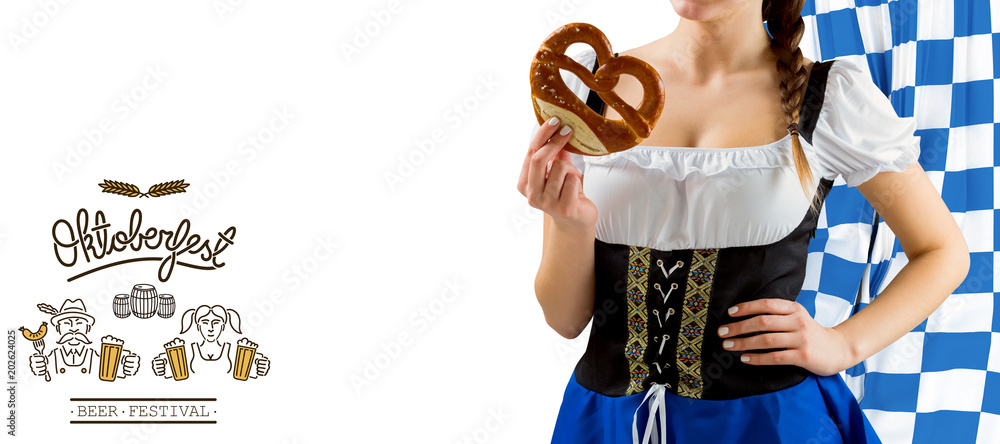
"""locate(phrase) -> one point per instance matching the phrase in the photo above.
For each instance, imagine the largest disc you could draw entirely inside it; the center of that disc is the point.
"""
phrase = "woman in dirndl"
(693, 244)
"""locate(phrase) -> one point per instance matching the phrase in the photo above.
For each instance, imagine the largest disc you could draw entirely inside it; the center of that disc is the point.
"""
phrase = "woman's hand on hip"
(785, 324)
(551, 182)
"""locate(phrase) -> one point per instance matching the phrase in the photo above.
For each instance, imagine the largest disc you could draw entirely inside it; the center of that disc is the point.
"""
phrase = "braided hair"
(785, 24)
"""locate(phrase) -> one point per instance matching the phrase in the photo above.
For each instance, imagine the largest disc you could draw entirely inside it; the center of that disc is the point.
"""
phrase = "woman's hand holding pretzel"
(552, 183)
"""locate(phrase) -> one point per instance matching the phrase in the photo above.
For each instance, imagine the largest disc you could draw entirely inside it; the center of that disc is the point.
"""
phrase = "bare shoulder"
(647, 52)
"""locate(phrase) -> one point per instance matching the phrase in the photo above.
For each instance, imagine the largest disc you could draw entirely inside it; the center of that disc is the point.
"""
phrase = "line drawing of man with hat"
(73, 355)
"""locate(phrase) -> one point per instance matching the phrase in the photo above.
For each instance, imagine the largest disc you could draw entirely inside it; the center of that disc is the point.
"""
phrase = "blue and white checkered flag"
(937, 61)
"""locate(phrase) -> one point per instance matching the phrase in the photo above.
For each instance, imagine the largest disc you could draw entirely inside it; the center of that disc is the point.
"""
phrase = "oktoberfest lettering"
(73, 241)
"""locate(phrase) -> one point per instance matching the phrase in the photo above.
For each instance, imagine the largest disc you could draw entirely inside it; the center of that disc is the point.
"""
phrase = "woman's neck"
(711, 49)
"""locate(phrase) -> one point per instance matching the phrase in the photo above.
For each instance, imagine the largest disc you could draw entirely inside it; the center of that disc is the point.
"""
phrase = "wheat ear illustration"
(165, 188)
(160, 189)
(122, 188)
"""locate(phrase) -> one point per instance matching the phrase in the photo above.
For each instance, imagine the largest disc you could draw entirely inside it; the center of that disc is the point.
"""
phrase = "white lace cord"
(656, 408)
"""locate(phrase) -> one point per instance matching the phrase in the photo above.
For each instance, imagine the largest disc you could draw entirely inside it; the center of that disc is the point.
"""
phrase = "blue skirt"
(820, 409)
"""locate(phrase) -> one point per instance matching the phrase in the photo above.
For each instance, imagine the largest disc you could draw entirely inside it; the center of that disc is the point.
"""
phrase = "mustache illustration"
(69, 337)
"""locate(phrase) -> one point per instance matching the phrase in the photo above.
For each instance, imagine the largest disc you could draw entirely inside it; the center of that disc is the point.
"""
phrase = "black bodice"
(657, 313)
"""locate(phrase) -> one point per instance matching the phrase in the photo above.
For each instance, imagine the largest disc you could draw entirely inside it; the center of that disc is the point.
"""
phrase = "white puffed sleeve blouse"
(671, 198)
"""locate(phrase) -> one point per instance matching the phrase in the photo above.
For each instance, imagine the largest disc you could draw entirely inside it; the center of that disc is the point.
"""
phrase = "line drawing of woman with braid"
(211, 355)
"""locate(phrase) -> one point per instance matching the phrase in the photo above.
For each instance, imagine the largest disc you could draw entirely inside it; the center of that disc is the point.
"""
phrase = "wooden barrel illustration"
(121, 306)
(143, 301)
(166, 307)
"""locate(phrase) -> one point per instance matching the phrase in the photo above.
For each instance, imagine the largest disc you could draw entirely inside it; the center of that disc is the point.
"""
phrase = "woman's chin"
(703, 10)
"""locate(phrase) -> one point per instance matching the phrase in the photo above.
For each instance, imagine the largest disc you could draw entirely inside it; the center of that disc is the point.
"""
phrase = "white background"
(456, 216)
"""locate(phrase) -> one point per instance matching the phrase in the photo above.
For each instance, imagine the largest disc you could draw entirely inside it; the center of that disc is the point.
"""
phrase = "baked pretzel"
(593, 134)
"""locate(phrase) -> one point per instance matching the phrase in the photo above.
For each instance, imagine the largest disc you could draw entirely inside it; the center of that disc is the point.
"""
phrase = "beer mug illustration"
(111, 352)
(243, 363)
(177, 359)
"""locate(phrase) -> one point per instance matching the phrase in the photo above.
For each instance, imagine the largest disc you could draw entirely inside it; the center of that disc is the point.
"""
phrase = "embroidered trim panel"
(697, 296)
(638, 335)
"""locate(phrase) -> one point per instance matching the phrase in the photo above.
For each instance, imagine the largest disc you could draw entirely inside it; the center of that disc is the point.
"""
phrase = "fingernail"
(745, 358)
(565, 130)
(728, 344)
(553, 121)
(733, 309)
(723, 331)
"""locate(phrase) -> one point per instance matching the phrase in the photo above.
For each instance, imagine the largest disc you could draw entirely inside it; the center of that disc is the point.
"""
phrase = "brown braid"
(784, 22)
